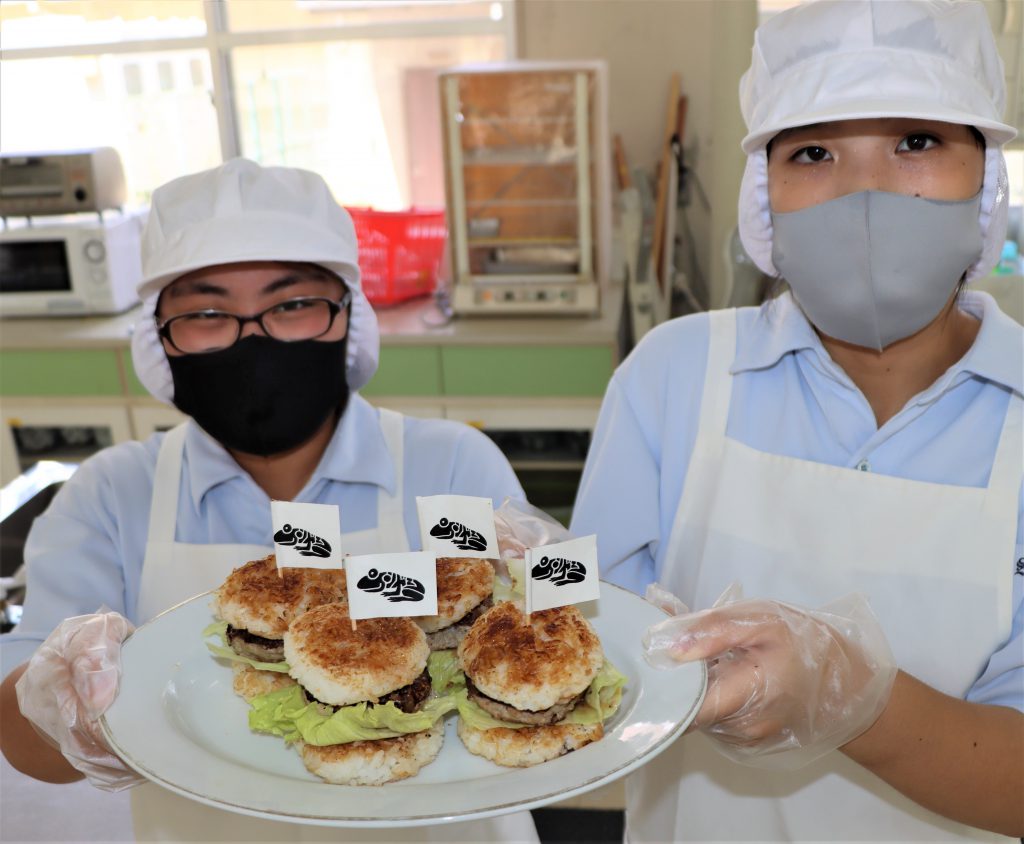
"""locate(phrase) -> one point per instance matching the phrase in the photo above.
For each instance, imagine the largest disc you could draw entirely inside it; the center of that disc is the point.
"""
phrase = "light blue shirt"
(87, 549)
(790, 398)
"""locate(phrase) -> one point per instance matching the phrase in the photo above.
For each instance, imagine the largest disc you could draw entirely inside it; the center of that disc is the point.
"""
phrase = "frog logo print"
(462, 537)
(306, 543)
(559, 570)
(395, 587)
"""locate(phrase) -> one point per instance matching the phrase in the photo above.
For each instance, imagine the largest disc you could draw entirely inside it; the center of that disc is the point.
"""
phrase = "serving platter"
(177, 722)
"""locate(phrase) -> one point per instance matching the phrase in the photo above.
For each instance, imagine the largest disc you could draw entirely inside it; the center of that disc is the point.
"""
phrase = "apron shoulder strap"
(391, 508)
(1008, 465)
(166, 484)
(708, 447)
(714, 405)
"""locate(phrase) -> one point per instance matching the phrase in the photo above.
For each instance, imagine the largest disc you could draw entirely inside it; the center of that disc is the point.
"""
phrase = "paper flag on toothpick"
(457, 526)
(563, 573)
(391, 585)
(306, 535)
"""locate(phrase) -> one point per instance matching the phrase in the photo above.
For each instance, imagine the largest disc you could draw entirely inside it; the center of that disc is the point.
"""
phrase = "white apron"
(175, 571)
(934, 561)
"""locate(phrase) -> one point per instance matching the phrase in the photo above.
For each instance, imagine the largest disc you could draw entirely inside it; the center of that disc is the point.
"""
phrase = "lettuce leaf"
(444, 670)
(516, 590)
(225, 651)
(286, 713)
(603, 697)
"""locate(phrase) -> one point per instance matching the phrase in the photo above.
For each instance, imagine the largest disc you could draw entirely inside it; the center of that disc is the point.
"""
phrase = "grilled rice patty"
(340, 666)
(531, 665)
(374, 762)
(529, 745)
(249, 682)
(462, 584)
(259, 598)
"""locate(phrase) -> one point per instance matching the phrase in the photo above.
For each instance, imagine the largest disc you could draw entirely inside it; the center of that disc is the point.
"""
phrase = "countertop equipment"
(33, 184)
(528, 180)
(76, 265)
(59, 253)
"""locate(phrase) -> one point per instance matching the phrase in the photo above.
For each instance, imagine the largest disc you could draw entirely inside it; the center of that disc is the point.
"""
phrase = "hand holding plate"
(785, 685)
(70, 682)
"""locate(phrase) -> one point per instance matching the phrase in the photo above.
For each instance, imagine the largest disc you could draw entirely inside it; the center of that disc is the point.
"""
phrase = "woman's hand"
(785, 685)
(68, 684)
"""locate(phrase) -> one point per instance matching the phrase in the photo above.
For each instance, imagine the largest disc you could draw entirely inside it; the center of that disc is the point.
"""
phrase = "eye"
(917, 143)
(203, 316)
(810, 155)
(293, 305)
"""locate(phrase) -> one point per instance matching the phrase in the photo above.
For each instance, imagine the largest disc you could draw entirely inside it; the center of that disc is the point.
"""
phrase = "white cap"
(241, 211)
(854, 59)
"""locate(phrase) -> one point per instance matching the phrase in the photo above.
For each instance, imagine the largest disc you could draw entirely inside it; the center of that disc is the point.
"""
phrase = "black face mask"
(262, 396)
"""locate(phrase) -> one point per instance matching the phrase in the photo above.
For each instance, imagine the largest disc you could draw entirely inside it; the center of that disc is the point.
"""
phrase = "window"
(343, 87)
(165, 74)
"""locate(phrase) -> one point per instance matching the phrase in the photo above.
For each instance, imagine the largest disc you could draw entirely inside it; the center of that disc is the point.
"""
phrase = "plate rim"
(364, 822)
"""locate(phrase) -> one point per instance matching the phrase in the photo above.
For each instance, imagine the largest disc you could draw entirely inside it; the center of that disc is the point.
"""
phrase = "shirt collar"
(998, 351)
(781, 327)
(357, 453)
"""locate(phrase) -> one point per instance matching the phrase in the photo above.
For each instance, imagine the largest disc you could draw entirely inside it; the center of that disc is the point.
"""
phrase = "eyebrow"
(193, 286)
(202, 286)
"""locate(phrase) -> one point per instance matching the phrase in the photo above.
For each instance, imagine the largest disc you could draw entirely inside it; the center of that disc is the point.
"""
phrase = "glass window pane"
(118, 101)
(287, 14)
(54, 23)
(365, 114)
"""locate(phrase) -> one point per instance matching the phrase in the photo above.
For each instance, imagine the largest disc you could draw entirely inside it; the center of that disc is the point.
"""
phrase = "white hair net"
(853, 59)
(241, 211)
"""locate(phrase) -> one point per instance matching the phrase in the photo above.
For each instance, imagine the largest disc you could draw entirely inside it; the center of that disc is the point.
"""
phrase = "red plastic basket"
(399, 252)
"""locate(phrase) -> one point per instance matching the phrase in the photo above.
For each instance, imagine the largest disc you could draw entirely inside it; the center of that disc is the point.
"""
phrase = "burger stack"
(363, 703)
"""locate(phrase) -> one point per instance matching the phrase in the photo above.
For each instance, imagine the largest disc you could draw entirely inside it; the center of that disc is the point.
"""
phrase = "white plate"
(177, 722)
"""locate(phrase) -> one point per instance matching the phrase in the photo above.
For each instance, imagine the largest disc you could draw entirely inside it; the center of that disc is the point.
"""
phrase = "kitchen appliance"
(44, 183)
(528, 184)
(75, 265)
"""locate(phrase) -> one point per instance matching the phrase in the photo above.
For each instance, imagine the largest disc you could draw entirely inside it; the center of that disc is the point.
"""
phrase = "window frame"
(219, 42)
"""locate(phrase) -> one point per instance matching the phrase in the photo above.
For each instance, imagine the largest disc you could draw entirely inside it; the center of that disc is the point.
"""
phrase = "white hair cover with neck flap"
(853, 59)
(241, 211)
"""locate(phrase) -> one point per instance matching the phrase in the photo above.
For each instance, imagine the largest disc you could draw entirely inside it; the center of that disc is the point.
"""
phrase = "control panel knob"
(95, 251)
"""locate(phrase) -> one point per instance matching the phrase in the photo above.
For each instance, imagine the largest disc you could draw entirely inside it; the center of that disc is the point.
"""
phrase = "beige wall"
(644, 42)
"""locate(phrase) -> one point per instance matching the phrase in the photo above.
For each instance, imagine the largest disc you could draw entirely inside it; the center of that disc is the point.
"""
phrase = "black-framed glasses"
(302, 318)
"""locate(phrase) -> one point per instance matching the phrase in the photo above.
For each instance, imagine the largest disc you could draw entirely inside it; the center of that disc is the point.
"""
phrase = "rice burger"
(255, 604)
(361, 712)
(464, 592)
(536, 688)
(258, 602)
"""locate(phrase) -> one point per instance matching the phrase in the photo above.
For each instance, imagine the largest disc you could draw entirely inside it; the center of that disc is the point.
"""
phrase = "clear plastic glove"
(70, 682)
(519, 526)
(785, 685)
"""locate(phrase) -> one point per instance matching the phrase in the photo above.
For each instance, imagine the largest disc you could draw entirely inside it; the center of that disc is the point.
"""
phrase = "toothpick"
(353, 624)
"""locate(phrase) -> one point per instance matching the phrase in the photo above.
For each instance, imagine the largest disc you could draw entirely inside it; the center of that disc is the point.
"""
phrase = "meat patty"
(449, 637)
(408, 698)
(504, 712)
(255, 647)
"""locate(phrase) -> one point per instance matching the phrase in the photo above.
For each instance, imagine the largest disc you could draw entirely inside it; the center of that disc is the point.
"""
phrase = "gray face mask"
(871, 268)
